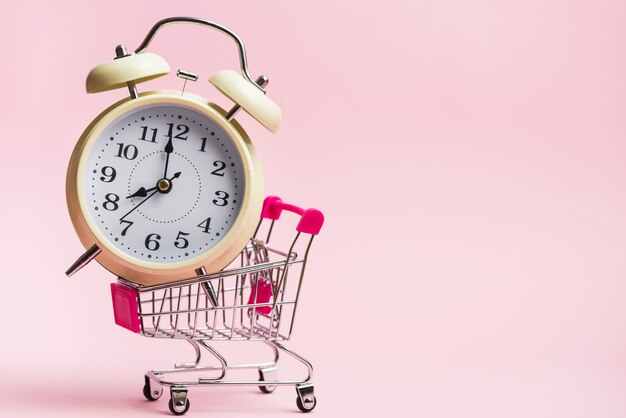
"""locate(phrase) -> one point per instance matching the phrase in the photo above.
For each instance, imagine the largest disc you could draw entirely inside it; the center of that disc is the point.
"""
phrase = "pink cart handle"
(310, 223)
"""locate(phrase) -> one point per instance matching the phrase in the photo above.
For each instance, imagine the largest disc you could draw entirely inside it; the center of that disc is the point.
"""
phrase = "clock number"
(222, 198)
(108, 174)
(111, 202)
(126, 228)
(205, 225)
(181, 241)
(153, 243)
(219, 171)
(203, 147)
(144, 131)
(129, 151)
(180, 127)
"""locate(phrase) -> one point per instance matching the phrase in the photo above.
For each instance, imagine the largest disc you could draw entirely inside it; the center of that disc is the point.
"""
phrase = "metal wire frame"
(224, 306)
(183, 310)
(158, 376)
(241, 49)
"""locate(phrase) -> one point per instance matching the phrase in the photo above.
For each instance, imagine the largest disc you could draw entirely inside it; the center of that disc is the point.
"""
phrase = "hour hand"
(142, 192)
(163, 187)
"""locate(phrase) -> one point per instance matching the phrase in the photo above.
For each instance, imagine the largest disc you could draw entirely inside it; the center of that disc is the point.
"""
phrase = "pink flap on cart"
(263, 291)
(125, 306)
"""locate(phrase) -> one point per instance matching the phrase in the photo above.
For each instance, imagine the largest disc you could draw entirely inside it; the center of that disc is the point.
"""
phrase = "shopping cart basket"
(254, 299)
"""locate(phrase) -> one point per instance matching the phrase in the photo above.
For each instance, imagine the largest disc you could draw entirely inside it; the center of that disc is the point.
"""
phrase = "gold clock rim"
(150, 273)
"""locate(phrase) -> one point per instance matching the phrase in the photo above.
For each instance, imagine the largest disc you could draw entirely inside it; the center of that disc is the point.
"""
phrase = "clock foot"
(207, 287)
(83, 260)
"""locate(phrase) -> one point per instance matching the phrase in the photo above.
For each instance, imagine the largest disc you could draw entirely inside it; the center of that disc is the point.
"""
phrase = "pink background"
(469, 157)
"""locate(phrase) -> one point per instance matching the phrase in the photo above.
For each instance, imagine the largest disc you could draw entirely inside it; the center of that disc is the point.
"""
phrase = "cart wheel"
(148, 394)
(151, 393)
(309, 405)
(178, 410)
(265, 389)
(262, 373)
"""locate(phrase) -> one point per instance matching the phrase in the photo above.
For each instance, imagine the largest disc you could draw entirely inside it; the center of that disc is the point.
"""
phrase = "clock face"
(163, 183)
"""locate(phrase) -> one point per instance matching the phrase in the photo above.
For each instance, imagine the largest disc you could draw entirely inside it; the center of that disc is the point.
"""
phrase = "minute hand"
(169, 148)
(140, 203)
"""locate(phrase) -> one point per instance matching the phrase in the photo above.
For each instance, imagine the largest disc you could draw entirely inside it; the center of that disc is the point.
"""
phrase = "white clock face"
(163, 183)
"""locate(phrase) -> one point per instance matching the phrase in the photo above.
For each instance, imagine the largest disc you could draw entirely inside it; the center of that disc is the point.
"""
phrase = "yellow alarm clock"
(165, 185)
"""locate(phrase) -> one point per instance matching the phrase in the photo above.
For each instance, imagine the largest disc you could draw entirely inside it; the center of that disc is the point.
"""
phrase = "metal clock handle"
(243, 61)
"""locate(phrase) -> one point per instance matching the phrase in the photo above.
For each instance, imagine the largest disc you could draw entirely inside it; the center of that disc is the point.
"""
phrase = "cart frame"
(213, 307)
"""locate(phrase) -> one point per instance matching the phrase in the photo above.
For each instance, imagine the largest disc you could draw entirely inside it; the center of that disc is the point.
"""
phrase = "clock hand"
(169, 148)
(140, 203)
(143, 192)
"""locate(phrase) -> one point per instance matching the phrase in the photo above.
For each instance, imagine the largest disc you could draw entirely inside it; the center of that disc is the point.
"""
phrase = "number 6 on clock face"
(164, 184)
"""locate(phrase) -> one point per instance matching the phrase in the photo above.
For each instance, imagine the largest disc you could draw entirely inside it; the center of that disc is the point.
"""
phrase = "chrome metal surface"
(156, 390)
(186, 75)
(220, 358)
(159, 375)
(243, 60)
(212, 276)
(83, 260)
(262, 81)
(179, 398)
(193, 364)
(268, 374)
(207, 287)
(121, 52)
(185, 310)
(254, 300)
(307, 395)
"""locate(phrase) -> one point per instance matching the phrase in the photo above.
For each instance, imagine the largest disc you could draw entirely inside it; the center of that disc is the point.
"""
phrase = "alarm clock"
(164, 185)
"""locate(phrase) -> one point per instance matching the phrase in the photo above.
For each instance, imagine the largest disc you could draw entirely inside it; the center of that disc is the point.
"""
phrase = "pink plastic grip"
(125, 306)
(310, 223)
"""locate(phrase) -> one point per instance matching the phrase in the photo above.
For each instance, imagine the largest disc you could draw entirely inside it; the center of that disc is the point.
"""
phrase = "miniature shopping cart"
(254, 299)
